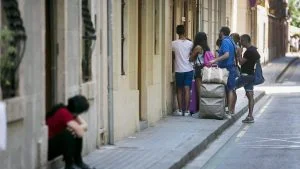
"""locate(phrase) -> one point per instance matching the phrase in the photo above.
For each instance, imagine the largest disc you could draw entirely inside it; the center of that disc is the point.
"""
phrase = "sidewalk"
(273, 70)
(173, 141)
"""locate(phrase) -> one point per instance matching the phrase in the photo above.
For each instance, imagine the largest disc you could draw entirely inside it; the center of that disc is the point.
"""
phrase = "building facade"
(56, 64)
(265, 21)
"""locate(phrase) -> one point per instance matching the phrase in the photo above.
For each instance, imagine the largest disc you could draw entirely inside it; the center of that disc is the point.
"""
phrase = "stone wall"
(27, 133)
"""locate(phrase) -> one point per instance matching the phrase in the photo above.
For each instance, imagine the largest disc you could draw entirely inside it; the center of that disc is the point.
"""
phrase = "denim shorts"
(245, 81)
(231, 84)
(184, 79)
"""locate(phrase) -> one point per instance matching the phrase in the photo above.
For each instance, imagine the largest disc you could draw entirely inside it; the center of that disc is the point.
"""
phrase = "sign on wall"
(3, 127)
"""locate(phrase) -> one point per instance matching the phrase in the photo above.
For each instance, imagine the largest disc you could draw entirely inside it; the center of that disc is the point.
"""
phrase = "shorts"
(184, 79)
(246, 81)
(231, 84)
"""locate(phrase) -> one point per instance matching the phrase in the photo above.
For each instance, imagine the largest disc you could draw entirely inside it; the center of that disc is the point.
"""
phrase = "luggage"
(212, 101)
(211, 90)
(212, 108)
(214, 75)
(193, 98)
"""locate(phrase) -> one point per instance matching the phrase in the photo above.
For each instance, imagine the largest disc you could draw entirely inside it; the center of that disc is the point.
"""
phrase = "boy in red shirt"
(66, 129)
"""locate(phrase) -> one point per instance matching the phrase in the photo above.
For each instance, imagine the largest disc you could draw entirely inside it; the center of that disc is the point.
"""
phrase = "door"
(50, 61)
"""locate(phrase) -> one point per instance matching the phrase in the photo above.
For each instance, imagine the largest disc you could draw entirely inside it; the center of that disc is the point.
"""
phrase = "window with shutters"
(89, 38)
(13, 44)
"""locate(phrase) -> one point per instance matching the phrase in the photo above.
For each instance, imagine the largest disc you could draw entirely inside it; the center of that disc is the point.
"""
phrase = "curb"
(204, 144)
(285, 69)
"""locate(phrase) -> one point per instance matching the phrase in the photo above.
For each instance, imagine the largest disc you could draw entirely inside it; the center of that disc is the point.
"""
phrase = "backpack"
(258, 74)
(208, 56)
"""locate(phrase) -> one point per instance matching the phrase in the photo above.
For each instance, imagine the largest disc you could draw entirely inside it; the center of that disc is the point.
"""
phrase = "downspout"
(110, 75)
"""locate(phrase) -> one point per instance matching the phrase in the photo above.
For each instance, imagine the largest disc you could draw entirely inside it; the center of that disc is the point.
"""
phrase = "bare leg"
(198, 84)
(231, 100)
(234, 102)
(250, 103)
(179, 98)
(187, 97)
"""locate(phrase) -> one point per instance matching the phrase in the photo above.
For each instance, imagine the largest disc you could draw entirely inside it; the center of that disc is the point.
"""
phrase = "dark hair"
(225, 30)
(236, 38)
(219, 42)
(201, 40)
(180, 29)
(76, 105)
(246, 37)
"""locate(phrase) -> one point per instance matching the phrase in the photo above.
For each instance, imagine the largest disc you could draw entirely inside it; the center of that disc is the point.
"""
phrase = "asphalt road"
(273, 141)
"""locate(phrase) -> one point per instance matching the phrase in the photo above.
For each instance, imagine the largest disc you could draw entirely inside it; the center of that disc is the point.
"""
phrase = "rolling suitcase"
(194, 99)
(212, 108)
(212, 101)
(212, 90)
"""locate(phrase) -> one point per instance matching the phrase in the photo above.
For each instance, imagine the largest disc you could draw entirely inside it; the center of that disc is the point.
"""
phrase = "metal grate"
(123, 3)
(17, 41)
(88, 40)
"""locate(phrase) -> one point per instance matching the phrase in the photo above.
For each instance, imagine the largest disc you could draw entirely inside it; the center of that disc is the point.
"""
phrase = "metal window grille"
(88, 40)
(122, 36)
(9, 70)
(157, 27)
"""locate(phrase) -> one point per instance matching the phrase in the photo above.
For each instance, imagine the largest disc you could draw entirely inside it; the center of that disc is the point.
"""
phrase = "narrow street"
(273, 141)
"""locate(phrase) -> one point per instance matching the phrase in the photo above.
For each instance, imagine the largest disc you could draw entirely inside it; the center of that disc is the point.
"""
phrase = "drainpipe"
(110, 74)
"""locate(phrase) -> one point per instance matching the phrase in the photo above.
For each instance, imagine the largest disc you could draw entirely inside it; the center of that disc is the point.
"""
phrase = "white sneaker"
(187, 113)
(178, 113)
(227, 115)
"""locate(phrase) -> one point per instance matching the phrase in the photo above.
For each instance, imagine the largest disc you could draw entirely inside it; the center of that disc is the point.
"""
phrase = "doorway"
(51, 54)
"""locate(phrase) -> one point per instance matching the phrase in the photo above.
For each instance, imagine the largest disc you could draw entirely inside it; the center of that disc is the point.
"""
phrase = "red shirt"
(58, 122)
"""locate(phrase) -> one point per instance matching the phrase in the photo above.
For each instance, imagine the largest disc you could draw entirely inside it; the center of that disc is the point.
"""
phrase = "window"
(89, 38)
(274, 8)
(13, 42)
(123, 3)
(156, 27)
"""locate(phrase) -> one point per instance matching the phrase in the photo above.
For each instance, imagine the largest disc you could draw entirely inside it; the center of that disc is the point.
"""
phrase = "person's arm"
(71, 123)
(223, 57)
(243, 60)
(225, 48)
(195, 52)
(173, 51)
(239, 52)
(75, 127)
(173, 46)
(82, 123)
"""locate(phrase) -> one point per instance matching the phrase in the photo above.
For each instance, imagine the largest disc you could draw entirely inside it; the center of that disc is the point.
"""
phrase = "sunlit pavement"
(273, 141)
(173, 141)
